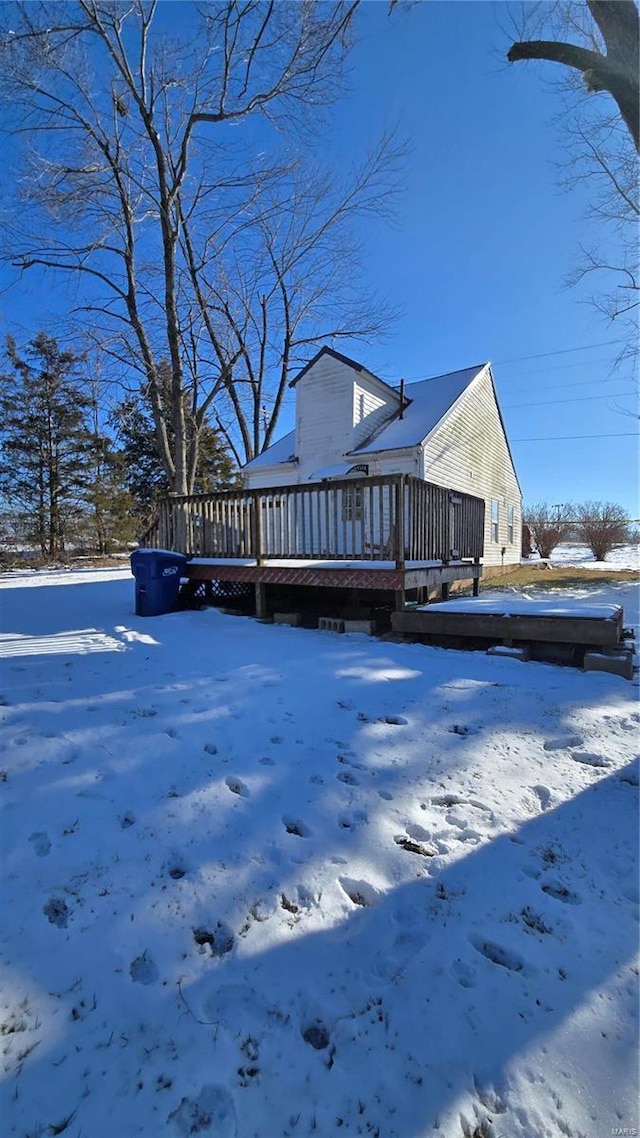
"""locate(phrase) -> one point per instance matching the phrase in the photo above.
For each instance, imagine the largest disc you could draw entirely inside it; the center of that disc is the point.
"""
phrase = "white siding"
(398, 462)
(468, 452)
(370, 411)
(264, 477)
(337, 408)
(324, 415)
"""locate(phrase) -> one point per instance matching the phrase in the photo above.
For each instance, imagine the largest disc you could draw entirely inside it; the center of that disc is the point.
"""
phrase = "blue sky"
(483, 241)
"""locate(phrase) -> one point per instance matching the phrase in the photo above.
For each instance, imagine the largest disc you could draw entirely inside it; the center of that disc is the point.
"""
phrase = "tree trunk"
(616, 72)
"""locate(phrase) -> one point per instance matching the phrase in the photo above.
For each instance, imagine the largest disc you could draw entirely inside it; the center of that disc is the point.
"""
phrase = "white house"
(447, 430)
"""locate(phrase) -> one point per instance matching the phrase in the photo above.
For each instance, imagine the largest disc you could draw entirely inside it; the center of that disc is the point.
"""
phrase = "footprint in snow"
(589, 759)
(126, 820)
(219, 940)
(57, 912)
(497, 954)
(347, 760)
(464, 974)
(266, 761)
(447, 800)
(296, 827)
(212, 1112)
(316, 1035)
(144, 970)
(543, 794)
(41, 843)
(560, 892)
(236, 786)
(176, 867)
(350, 820)
(360, 892)
(394, 720)
(562, 743)
(385, 795)
(348, 778)
(630, 775)
(412, 846)
(418, 832)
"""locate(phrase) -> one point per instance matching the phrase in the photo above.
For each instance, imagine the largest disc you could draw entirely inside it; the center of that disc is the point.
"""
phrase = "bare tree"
(549, 525)
(602, 526)
(154, 172)
(612, 68)
(291, 282)
(597, 44)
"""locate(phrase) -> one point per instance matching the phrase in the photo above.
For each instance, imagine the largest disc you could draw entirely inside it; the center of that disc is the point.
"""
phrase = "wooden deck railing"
(394, 518)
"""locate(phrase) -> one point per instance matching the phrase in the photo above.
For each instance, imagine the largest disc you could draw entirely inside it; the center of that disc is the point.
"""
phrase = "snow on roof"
(429, 402)
(335, 471)
(279, 454)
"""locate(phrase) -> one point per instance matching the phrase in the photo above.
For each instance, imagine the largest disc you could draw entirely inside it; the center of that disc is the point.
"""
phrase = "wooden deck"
(395, 534)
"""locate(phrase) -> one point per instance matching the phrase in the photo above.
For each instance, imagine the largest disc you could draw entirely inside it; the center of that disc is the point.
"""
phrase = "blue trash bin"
(157, 573)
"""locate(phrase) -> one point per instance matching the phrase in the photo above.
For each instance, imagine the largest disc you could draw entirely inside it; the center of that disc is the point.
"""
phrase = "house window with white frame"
(495, 519)
(352, 504)
(510, 524)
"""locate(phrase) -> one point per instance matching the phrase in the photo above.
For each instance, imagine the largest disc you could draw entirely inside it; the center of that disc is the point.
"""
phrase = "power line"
(523, 375)
(574, 399)
(560, 386)
(560, 352)
(562, 438)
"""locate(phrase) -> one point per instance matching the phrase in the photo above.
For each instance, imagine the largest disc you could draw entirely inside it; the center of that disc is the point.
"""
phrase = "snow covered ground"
(573, 554)
(265, 881)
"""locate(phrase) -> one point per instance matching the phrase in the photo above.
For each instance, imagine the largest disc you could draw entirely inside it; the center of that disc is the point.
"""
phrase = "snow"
(524, 606)
(574, 555)
(281, 453)
(308, 563)
(337, 470)
(273, 882)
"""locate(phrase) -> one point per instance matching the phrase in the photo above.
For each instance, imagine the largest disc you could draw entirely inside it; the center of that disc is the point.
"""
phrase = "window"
(495, 519)
(352, 504)
(510, 524)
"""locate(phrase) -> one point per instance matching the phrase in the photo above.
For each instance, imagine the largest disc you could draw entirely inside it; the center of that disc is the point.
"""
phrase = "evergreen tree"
(109, 503)
(144, 473)
(44, 445)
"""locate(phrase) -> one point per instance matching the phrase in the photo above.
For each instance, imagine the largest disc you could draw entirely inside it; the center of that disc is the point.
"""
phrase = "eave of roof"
(326, 351)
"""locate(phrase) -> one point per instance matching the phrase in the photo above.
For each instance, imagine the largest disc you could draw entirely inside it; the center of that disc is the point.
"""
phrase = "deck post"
(257, 528)
(399, 512)
(400, 600)
(476, 579)
(261, 600)
(444, 592)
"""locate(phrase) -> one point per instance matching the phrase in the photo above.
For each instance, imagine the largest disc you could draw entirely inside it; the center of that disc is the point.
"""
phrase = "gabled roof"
(344, 360)
(280, 454)
(430, 400)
